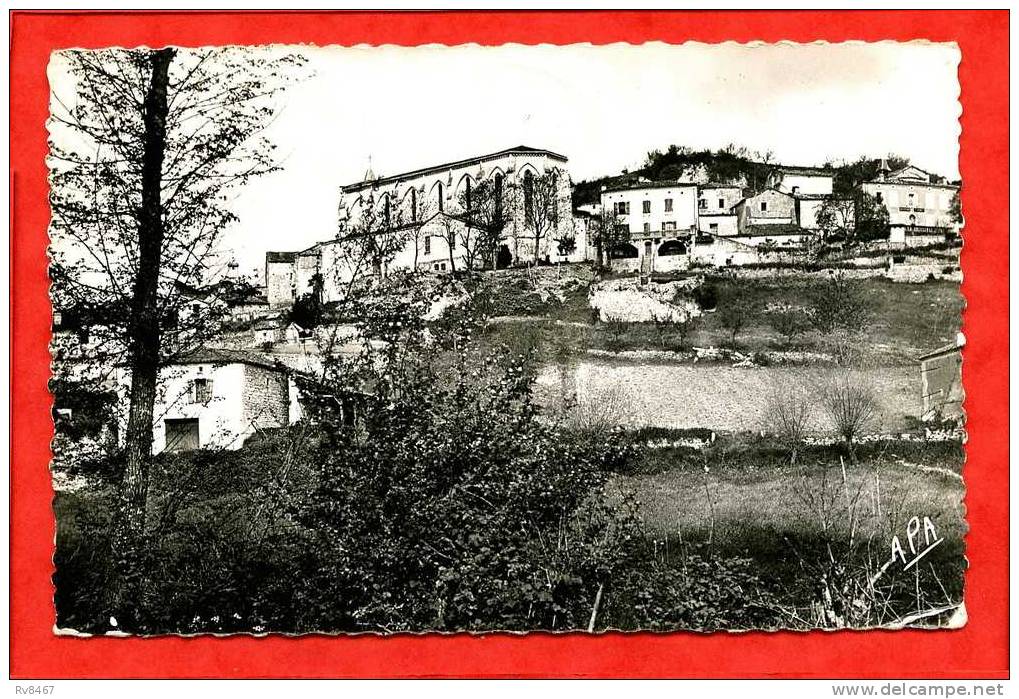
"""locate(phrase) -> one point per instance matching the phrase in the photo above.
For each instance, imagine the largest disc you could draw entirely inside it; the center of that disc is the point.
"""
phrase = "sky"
(603, 107)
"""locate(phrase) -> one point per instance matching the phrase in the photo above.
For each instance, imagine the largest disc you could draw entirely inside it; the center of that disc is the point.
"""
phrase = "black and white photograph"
(577, 338)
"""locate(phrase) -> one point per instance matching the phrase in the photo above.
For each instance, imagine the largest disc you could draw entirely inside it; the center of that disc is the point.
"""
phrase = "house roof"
(757, 230)
(719, 185)
(280, 256)
(757, 194)
(947, 349)
(218, 355)
(811, 197)
(803, 170)
(466, 162)
(651, 184)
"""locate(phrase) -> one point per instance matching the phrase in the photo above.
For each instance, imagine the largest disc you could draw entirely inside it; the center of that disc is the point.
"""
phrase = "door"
(182, 434)
(645, 263)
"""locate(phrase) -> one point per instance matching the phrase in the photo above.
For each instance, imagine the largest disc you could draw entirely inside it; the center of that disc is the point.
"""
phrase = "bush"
(706, 296)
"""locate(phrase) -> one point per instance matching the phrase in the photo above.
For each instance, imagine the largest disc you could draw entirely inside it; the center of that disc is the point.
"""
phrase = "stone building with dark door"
(215, 399)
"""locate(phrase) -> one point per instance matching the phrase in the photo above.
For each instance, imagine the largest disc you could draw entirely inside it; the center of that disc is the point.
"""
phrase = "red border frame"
(980, 650)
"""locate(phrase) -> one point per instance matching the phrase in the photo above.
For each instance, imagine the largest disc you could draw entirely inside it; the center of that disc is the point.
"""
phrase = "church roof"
(453, 165)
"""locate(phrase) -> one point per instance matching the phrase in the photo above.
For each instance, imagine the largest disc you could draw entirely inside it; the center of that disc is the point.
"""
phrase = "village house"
(769, 219)
(289, 275)
(661, 220)
(941, 380)
(919, 209)
(215, 399)
(800, 180)
(715, 204)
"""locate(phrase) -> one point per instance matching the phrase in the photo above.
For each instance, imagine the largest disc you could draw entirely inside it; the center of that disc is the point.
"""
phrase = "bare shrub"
(787, 414)
(789, 322)
(851, 404)
(605, 411)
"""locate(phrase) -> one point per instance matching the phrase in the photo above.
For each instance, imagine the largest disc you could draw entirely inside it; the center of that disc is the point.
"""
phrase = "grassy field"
(908, 320)
(749, 502)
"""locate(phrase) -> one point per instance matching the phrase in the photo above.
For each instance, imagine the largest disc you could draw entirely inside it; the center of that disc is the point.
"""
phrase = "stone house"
(768, 207)
(941, 381)
(267, 331)
(215, 399)
(715, 204)
(280, 278)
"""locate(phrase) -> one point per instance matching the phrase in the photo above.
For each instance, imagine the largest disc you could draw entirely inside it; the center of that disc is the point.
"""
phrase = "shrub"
(706, 296)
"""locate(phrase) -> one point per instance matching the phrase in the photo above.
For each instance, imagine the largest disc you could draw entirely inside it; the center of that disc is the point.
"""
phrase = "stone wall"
(266, 397)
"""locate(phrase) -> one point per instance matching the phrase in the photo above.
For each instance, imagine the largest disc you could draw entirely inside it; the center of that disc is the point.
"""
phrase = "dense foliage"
(425, 490)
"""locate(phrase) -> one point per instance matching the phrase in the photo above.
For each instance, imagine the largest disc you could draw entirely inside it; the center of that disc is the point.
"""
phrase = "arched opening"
(503, 258)
(497, 195)
(440, 199)
(623, 251)
(671, 247)
(387, 211)
(528, 198)
(409, 203)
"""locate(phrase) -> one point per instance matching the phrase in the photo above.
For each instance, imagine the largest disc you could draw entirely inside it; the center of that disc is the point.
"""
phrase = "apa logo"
(929, 540)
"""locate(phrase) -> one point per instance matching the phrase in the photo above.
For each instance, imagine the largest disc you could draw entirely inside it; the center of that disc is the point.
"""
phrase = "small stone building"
(941, 380)
(215, 399)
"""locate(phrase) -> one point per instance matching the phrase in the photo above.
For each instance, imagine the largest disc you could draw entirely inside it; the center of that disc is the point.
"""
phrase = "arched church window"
(528, 197)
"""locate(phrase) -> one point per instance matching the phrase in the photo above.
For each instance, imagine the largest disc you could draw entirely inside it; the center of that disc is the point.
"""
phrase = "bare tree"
(851, 404)
(146, 147)
(787, 415)
(789, 322)
(607, 231)
(736, 309)
(836, 218)
(485, 215)
(543, 199)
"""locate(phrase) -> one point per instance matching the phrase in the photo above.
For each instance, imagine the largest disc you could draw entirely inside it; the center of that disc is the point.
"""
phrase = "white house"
(215, 399)
(661, 219)
(801, 180)
(919, 210)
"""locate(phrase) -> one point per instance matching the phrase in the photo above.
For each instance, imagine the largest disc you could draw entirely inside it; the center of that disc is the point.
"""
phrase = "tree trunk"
(143, 338)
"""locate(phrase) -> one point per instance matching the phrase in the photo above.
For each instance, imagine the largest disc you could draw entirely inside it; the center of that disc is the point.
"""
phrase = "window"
(721, 203)
(442, 199)
(386, 210)
(764, 206)
(713, 227)
(428, 244)
(498, 197)
(669, 226)
(796, 189)
(413, 205)
(702, 203)
(647, 206)
(880, 198)
(528, 198)
(647, 227)
(202, 391)
(622, 208)
(668, 205)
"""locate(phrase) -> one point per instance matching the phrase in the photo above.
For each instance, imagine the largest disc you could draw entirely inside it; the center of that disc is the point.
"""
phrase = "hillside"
(731, 164)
